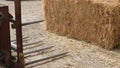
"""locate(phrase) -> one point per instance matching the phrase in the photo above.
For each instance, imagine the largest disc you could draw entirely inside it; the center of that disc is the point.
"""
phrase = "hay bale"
(93, 20)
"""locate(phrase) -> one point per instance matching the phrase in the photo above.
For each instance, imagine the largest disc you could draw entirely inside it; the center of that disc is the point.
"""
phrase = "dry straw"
(93, 20)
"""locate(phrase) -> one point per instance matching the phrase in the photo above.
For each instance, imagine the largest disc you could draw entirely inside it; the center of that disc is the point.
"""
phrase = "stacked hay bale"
(93, 20)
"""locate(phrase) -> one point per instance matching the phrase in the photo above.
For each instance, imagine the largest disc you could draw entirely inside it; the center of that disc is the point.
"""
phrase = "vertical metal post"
(20, 55)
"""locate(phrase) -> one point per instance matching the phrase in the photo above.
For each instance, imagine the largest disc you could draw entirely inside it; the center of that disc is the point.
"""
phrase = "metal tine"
(46, 61)
(38, 50)
(26, 23)
(33, 22)
(54, 56)
(14, 47)
(25, 53)
(27, 44)
(25, 37)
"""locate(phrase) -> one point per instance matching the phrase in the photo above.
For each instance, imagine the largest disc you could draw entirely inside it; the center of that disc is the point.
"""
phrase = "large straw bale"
(93, 20)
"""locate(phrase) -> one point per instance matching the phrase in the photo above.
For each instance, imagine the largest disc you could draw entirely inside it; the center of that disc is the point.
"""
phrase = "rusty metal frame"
(18, 25)
(20, 55)
(17, 45)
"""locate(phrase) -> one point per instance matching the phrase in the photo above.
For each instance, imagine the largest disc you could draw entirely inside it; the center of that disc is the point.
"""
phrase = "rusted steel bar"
(26, 23)
(54, 56)
(20, 55)
(33, 22)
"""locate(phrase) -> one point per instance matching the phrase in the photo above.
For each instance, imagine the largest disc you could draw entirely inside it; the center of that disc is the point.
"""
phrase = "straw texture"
(97, 21)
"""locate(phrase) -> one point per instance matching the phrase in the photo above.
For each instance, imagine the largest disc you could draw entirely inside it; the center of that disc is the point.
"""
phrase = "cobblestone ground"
(81, 54)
